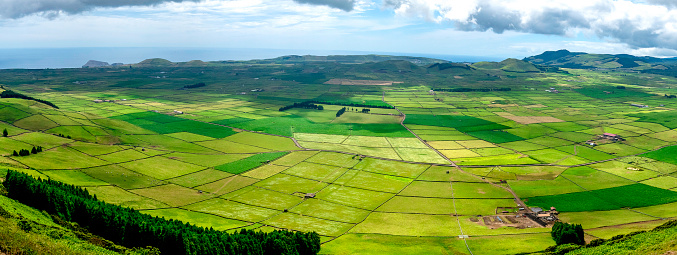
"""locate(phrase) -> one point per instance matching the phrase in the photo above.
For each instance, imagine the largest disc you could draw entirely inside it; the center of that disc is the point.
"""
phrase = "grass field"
(217, 157)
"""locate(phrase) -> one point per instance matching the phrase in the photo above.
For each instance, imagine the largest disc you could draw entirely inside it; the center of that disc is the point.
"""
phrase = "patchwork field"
(404, 170)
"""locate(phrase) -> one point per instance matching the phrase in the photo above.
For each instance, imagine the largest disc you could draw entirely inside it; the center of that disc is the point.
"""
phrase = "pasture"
(379, 181)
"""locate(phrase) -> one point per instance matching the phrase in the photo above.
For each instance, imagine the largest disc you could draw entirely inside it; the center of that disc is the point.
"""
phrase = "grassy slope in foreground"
(660, 240)
(28, 231)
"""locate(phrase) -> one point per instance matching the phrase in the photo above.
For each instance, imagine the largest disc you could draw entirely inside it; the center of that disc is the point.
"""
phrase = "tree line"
(472, 89)
(565, 233)
(340, 112)
(12, 94)
(131, 228)
(352, 104)
(304, 105)
(196, 85)
(25, 152)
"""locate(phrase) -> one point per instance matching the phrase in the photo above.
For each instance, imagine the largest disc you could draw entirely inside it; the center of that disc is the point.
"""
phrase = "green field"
(406, 176)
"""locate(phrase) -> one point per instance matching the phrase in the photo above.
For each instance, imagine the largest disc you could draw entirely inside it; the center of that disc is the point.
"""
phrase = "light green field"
(263, 198)
(391, 167)
(294, 158)
(232, 210)
(609, 232)
(60, 158)
(206, 160)
(416, 225)
(123, 156)
(118, 196)
(331, 211)
(359, 198)
(122, 177)
(305, 223)
(199, 219)
(75, 177)
(172, 195)
(199, 178)
(273, 143)
(625, 170)
(289, 184)
(372, 181)
(604, 218)
(161, 168)
(559, 185)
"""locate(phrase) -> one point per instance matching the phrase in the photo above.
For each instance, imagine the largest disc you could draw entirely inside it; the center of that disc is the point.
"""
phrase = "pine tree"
(15, 154)
(5, 133)
(34, 150)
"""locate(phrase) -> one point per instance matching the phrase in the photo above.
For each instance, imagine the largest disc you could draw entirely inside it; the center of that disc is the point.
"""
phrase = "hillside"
(567, 59)
(508, 65)
(293, 59)
(29, 231)
(350, 59)
(660, 240)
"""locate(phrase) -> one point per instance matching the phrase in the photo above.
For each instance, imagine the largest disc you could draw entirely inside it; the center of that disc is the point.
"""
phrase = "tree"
(5, 133)
(34, 150)
(15, 154)
(565, 233)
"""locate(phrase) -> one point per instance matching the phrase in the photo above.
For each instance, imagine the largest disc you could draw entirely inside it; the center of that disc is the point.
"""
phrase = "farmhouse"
(309, 195)
(612, 137)
(542, 217)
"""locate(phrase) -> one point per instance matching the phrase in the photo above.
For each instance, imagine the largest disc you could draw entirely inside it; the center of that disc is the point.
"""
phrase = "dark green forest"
(131, 228)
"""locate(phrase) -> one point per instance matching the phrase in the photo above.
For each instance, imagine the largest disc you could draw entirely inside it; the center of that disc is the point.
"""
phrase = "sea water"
(40, 58)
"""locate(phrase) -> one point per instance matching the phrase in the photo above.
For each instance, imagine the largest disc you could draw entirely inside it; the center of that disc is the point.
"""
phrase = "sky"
(496, 28)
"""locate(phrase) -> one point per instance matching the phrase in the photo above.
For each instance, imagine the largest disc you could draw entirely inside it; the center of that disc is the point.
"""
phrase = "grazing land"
(441, 160)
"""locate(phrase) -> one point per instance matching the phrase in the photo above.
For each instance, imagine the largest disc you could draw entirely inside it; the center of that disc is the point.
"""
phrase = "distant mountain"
(509, 65)
(348, 59)
(567, 59)
(94, 63)
(295, 59)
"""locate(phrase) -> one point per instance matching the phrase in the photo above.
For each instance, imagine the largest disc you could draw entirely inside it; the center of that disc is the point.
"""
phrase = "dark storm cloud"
(20, 8)
(346, 5)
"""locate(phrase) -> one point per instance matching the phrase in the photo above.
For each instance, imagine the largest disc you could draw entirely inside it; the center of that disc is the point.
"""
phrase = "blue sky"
(497, 28)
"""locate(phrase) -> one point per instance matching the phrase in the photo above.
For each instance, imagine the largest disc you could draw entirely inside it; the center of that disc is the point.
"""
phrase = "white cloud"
(639, 25)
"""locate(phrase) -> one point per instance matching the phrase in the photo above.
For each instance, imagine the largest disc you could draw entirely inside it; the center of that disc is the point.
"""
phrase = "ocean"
(41, 58)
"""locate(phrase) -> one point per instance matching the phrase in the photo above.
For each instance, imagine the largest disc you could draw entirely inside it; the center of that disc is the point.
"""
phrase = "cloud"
(20, 8)
(638, 24)
(345, 5)
(666, 3)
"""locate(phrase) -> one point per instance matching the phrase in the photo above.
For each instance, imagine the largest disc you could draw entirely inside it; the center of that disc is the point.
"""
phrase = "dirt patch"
(360, 82)
(528, 119)
(496, 221)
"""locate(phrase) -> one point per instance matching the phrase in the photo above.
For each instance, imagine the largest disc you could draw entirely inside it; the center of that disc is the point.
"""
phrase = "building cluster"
(541, 216)
(552, 90)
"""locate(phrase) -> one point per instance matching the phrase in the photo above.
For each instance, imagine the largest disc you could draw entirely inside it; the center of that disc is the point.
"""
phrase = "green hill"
(29, 231)
(508, 65)
(567, 59)
(660, 240)
(350, 59)
(154, 62)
